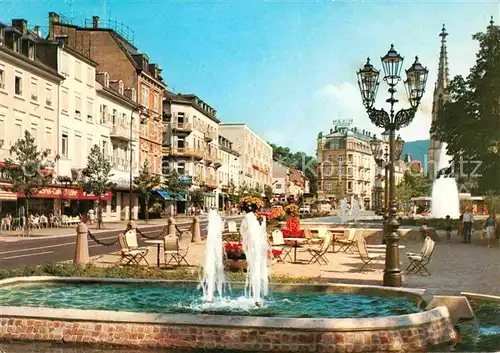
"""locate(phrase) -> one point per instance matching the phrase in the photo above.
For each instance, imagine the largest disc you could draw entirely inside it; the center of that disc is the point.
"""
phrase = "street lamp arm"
(404, 117)
(379, 117)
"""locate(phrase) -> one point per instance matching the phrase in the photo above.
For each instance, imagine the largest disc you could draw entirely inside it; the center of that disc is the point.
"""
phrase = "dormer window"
(106, 80)
(16, 44)
(134, 95)
(120, 87)
(31, 50)
(145, 63)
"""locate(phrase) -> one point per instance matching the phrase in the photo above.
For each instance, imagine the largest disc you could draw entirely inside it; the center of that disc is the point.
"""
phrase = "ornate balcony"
(209, 157)
(209, 135)
(218, 162)
(183, 152)
(181, 126)
(211, 183)
(120, 133)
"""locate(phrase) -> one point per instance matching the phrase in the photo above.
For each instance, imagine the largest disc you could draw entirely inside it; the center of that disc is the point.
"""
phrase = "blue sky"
(287, 69)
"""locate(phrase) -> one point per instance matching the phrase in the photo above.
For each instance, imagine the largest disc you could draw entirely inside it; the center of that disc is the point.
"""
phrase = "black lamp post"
(368, 81)
(137, 109)
(377, 148)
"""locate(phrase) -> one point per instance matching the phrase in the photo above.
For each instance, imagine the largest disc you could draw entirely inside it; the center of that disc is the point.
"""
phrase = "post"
(392, 272)
(130, 202)
(171, 225)
(386, 203)
(195, 230)
(82, 245)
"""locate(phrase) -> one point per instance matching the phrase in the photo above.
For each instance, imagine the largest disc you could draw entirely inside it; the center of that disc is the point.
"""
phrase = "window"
(89, 145)
(145, 96)
(48, 139)
(64, 145)
(90, 111)
(48, 95)
(2, 79)
(65, 65)
(155, 103)
(103, 114)
(34, 133)
(78, 106)
(3, 129)
(18, 132)
(90, 77)
(114, 117)
(78, 71)
(349, 186)
(34, 89)
(16, 44)
(31, 51)
(19, 85)
(78, 156)
(105, 148)
(114, 202)
(64, 101)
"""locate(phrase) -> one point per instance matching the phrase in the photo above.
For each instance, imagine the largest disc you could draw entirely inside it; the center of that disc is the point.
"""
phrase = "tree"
(146, 182)
(96, 177)
(414, 184)
(470, 122)
(24, 169)
(197, 197)
(232, 192)
(174, 186)
(268, 191)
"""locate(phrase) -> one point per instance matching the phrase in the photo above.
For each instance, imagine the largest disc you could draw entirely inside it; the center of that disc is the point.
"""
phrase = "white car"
(305, 209)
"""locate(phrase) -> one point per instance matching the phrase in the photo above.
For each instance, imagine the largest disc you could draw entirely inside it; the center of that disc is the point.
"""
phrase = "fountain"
(355, 209)
(213, 279)
(445, 199)
(343, 210)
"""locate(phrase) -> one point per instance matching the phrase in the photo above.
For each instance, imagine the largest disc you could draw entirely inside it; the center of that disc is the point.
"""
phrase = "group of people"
(466, 227)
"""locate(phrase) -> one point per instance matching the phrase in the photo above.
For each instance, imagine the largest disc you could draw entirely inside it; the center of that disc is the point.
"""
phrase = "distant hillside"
(416, 149)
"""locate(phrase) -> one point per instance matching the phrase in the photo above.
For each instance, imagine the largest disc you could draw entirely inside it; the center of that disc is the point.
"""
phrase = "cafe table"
(158, 243)
(296, 243)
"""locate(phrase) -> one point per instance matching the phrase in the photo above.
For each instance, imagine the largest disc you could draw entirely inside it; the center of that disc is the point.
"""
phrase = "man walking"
(468, 221)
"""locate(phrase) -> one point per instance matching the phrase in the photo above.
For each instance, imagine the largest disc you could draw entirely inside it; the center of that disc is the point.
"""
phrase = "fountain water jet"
(445, 199)
(214, 280)
(343, 210)
(355, 209)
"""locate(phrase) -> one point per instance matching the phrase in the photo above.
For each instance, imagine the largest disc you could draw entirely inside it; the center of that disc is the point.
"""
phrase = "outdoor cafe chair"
(232, 230)
(418, 263)
(279, 244)
(318, 254)
(131, 239)
(348, 243)
(131, 256)
(176, 250)
(368, 259)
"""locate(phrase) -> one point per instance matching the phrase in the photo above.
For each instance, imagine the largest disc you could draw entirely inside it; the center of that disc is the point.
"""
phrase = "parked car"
(305, 209)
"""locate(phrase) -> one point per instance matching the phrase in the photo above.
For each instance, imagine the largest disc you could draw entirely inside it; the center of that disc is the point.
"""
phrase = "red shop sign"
(50, 192)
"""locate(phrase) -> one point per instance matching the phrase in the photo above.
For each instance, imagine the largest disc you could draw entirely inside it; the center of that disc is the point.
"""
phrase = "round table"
(296, 242)
(158, 246)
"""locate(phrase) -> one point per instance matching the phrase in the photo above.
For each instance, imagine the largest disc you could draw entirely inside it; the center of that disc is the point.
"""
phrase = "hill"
(416, 149)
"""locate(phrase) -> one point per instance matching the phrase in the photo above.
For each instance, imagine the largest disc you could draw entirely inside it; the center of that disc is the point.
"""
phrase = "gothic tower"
(439, 98)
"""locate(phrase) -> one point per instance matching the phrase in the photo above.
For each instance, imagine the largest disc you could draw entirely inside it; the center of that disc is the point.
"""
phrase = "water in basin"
(186, 298)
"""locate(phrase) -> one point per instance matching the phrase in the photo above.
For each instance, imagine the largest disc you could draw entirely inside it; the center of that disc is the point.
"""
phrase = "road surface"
(35, 251)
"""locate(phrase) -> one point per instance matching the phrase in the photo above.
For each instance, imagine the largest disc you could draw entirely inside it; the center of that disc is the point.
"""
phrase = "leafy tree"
(268, 191)
(233, 193)
(96, 177)
(470, 122)
(24, 168)
(414, 184)
(145, 183)
(197, 197)
(174, 186)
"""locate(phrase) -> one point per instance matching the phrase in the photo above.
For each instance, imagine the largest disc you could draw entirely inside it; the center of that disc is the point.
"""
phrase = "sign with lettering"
(343, 122)
(186, 179)
(55, 192)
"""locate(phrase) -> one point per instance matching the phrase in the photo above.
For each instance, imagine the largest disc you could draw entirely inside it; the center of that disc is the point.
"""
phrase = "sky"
(285, 68)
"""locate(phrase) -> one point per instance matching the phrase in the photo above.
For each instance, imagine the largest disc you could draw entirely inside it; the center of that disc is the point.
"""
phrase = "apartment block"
(229, 172)
(256, 160)
(190, 143)
(111, 47)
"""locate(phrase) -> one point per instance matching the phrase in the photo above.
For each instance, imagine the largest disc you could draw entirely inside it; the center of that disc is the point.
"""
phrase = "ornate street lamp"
(416, 78)
(377, 147)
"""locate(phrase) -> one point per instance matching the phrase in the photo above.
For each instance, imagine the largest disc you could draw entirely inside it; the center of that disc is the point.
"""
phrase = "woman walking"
(490, 227)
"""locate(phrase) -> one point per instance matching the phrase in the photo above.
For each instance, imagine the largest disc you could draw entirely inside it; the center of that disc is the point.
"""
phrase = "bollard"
(82, 245)
(195, 230)
(171, 226)
(131, 225)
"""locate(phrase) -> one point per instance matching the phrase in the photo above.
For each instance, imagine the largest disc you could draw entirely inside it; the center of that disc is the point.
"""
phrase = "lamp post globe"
(416, 78)
(368, 82)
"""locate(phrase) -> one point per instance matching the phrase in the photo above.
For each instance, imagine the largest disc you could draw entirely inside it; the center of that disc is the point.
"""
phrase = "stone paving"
(454, 266)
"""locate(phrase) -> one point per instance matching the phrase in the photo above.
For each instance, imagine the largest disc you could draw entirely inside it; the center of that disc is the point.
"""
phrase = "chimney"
(21, 25)
(95, 21)
(37, 31)
(53, 17)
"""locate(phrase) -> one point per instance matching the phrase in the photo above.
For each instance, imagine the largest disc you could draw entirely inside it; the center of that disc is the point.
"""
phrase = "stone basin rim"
(307, 324)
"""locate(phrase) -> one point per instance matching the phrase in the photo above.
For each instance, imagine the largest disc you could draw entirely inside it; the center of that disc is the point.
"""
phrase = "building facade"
(229, 173)
(281, 181)
(256, 160)
(117, 119)
(190, 143)
(346, 167)
(440, 96)
(114, 53)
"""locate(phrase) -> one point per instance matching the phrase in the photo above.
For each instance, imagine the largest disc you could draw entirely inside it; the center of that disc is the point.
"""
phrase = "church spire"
(443, 77)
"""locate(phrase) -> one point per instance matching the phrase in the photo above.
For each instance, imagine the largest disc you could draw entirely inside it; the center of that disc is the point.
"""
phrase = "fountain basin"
(234, 332)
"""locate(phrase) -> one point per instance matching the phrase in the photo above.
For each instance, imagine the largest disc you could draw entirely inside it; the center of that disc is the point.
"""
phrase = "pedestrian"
(460, 231)
(490, 227)
(468, 221)
(447, 227)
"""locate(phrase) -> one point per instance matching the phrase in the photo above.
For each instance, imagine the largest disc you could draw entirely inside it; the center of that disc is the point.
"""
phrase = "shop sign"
(186, 179)
(55, 192)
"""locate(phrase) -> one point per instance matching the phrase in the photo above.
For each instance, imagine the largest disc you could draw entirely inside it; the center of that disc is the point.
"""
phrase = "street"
(35, 251)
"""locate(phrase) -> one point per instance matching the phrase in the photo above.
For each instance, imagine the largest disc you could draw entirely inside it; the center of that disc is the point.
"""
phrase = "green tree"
(145, 183)
(414, 184)
(268, 191)
(197, 197)
(233, 193)
(24, 169)
(96, 178)
(470, 121)
(174, 186)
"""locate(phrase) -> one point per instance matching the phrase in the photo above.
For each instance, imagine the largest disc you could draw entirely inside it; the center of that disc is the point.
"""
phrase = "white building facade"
(229, 173)
(256, 160)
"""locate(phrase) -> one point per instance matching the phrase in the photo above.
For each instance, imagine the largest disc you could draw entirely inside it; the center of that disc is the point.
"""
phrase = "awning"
(166, 195)
(6, 195)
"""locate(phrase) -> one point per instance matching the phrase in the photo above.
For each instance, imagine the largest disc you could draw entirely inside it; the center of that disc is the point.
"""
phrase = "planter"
(240, 265)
